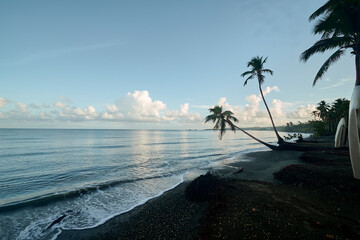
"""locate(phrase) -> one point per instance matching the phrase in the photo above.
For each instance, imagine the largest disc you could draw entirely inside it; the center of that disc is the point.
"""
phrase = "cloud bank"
(139, 107)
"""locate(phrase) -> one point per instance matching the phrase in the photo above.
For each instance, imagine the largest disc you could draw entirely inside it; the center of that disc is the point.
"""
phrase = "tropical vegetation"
(329, 115)
(326, 118)
(257, 69)
(224, 119)
(339, 27)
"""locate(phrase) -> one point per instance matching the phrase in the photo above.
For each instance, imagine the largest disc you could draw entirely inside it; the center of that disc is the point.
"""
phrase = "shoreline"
(286, 195)
(125, 221)
(221, 169)
(252, 162)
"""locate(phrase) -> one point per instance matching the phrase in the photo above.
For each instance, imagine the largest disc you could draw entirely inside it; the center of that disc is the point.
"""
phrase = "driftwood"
(56, 221)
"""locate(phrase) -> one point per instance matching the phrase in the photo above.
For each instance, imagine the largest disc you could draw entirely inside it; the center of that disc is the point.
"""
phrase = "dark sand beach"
(278, 195)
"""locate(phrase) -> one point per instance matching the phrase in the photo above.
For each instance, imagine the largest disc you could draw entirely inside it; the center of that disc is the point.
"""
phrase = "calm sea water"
(94, 175)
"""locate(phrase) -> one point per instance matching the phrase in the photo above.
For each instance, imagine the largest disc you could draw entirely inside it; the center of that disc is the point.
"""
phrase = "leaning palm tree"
(226, 118)
(339, 26)
(257, 70)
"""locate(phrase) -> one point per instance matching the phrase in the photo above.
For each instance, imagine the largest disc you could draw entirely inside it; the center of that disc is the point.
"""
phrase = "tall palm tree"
(339, 26)
(341, 108)
(323, 110)
(257, 70)
(223, 119)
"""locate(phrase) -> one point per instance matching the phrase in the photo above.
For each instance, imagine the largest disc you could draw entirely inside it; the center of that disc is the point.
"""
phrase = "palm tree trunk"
(357, 67)
(285, 146)
(272, 147)
(280, 140)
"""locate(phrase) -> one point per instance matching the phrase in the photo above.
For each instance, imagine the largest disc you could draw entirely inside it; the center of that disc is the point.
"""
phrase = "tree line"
(326, 118)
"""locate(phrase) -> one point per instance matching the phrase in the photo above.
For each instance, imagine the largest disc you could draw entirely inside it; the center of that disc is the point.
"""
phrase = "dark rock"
(203, 188)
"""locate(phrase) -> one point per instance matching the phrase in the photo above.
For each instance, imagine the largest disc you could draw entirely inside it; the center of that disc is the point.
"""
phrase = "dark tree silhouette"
(226, 118)
(257, 69)
(339, 27)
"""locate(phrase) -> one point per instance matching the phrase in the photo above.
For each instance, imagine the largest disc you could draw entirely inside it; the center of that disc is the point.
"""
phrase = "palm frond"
(322, 10)
(325, 26)
(257, 68)
(228, 113)
(247, 73)
(333, 58)
(211, 117)
(325, 44)
(233, 119)
(264, 60)
(268, 71)
(217, 124)
(251, 77)
(339, 21)
(222, 128)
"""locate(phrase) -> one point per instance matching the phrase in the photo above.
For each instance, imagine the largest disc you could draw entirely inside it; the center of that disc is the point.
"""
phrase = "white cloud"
(225, 105)
(277, 109)
(201, 106)
(183, 115)
(62, 103)
(106, 115)
(90, 112)
(45, 115)
(59, 104)
(268, 90)
(3, 101)
(21, 107)
(111, 108)
(139, 106)
(254, 112)
(184, 108)
(303, 112)
(76, 113)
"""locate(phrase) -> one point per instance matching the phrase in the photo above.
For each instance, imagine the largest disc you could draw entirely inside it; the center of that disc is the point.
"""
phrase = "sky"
(159, 64)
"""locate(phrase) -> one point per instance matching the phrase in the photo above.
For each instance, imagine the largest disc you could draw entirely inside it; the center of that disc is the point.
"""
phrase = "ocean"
(90, 176)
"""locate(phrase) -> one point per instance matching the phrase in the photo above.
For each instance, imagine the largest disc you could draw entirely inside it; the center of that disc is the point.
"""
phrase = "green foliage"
(338, 25)
(307, 127)
(294, 135)
(221, 120)
(257, 69)
(327, 117)
(320, 128)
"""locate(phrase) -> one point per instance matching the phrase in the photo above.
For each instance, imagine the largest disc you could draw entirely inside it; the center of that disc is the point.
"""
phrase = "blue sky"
(158, 64)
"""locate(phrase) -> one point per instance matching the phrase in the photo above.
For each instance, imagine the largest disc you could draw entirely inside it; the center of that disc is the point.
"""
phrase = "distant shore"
(278, 195)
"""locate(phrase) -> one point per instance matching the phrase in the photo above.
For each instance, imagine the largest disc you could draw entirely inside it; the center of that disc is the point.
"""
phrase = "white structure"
(354, 134)
(340, 136)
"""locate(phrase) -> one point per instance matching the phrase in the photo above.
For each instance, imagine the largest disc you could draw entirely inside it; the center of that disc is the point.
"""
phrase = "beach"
(309, 195)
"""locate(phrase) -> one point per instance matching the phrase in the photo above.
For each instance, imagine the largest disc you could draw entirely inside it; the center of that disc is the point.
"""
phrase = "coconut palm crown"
(222, 119)
(339, 27)
(257, 69)
(226, 118)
